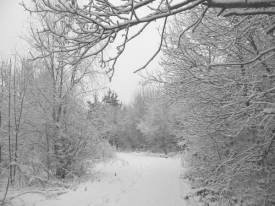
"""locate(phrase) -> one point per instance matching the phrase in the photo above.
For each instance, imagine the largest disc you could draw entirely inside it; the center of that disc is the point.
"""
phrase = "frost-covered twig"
(258, 57)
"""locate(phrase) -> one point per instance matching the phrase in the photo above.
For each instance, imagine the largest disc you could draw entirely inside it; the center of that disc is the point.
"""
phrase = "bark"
(15, 121)
(9, 125)
(240, 3)
(1, 102)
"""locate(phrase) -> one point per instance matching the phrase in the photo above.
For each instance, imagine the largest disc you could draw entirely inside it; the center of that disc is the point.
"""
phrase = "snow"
(134, 179)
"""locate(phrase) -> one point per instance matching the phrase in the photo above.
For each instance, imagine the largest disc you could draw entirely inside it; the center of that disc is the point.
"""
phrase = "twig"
(245, 63)
(158, 50)
(195, 24)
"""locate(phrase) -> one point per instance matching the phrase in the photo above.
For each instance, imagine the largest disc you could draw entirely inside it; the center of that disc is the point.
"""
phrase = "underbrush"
(33, 177)
(211, 187)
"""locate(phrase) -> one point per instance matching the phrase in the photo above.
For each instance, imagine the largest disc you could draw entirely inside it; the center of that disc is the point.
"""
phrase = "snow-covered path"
(130, 179)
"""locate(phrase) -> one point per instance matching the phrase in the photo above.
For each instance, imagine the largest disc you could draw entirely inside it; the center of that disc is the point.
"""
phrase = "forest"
(211, 100)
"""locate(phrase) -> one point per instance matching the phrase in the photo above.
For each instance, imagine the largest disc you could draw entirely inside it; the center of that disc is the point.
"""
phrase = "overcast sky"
(13, 26)
(12, 23)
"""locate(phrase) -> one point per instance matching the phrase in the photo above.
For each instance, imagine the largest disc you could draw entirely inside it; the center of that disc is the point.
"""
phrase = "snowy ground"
(131, 179)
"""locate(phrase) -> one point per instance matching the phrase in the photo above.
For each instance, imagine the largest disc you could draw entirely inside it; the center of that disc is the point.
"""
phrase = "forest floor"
(135, 179)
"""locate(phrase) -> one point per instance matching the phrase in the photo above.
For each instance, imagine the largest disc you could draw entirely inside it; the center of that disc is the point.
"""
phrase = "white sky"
(13, 24)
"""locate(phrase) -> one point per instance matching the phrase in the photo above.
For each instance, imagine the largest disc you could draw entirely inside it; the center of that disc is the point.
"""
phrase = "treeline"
(144, 125)
(46, 132)
(223, 104)
(45, 129)
(49, 130)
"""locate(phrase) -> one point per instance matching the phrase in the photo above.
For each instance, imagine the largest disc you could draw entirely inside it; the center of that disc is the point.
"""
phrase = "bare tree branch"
(272, 49)
(158, 50)
(95, 25)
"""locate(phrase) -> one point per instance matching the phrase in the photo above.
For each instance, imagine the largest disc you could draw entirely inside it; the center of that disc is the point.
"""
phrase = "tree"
(13, 88)
(156, 127)
(149, 122)
(110, 109)
(96, 25)
(1, 102)
(56, 139)
(220, 110)
(111, 99)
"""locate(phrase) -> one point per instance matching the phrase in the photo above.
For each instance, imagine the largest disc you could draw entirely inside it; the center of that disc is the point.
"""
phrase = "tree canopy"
(94, 26)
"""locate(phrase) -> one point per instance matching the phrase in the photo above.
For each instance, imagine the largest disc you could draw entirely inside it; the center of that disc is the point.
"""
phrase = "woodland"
(212, 98)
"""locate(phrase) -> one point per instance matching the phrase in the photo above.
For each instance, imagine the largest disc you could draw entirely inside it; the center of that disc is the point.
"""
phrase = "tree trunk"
(1, 99)
(9, 125)
(15, 121)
